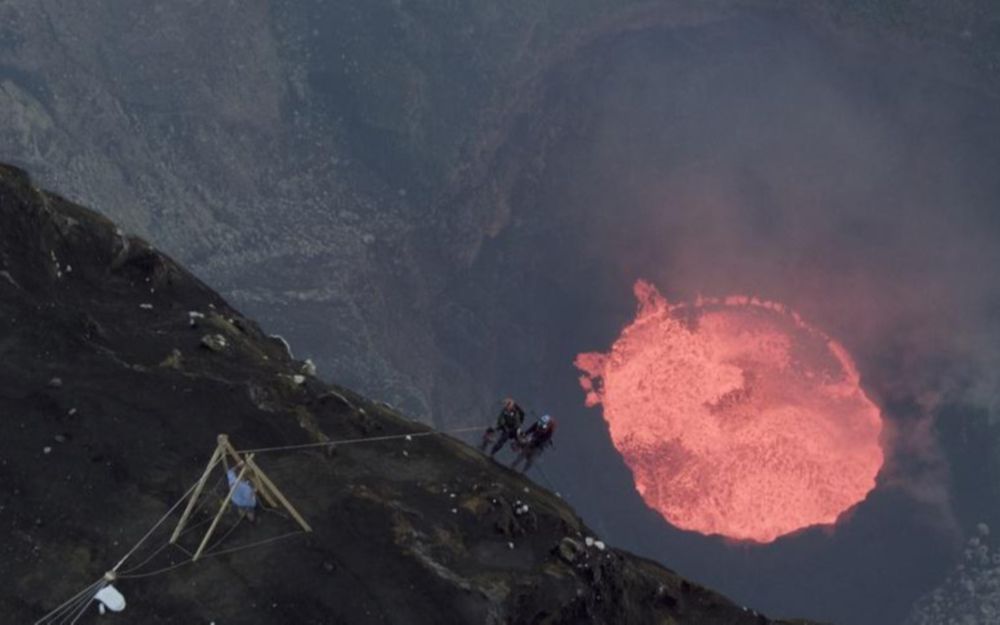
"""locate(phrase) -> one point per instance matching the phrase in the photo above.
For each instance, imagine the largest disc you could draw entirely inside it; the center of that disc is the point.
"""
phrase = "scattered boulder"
(214, 342)
(309, 368)
(570, 551)
(174, 360)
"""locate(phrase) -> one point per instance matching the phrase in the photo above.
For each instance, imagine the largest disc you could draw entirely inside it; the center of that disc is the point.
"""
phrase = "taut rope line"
(367, 439)
(77, 605)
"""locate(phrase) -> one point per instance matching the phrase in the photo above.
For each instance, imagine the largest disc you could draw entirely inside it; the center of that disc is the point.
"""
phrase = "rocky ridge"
(119, 368)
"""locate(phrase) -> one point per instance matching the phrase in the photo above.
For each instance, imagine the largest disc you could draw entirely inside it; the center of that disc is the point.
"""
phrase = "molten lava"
(735, 416)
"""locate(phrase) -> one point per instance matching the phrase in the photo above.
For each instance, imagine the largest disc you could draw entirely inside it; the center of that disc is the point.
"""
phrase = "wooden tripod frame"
(250, 471)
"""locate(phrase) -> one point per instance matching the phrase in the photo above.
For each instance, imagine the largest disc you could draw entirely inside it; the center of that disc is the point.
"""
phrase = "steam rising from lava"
(735, 416)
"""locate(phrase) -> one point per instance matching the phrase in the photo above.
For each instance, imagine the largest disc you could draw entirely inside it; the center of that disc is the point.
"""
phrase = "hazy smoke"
(918, 466)
(854, 184)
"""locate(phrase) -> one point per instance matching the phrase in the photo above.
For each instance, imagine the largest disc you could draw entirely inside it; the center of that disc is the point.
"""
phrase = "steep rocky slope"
(971, 593)
(112, 393)
(369, 142)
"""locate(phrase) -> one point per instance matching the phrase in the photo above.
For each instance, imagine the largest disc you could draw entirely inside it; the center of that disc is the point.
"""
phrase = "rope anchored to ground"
(70, 611)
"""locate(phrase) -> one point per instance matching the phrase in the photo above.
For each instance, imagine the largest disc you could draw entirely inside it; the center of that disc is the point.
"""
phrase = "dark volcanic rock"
(417, 530)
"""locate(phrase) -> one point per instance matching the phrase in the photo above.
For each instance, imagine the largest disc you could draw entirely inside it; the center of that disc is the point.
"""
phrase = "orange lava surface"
(735, 416)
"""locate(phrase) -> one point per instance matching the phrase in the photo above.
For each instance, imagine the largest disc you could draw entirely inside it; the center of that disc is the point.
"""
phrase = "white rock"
(309, 367)
(46, 450)
(288, 348)
(589, 540)
(599, 544)
(299, 379)
(146, 306)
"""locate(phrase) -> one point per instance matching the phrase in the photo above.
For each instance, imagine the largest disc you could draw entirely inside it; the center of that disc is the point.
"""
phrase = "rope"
(545, 477)
(169, 512)
(367, 439)
(81, 600)
(71, 611)
(74, 610)
(191, 528)
(74, 600)
(213, 554)
(157, 571)
(225, 536)
(156, 526)
(81, 605)
(166, 545)
(82, 610)
(81, 597)
(255, 544)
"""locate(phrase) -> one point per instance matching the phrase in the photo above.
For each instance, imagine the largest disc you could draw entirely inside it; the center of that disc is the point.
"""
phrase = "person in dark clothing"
(534, 440)
(508, 425)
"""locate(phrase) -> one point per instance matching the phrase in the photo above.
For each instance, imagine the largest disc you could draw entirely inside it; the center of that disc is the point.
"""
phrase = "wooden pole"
(197, 493)
(277, 493)
(250, 471)
(222, 509)
(228, 448)
(258, 486)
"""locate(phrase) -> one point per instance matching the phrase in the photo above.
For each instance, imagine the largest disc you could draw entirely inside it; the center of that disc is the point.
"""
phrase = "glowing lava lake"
(735, 416)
